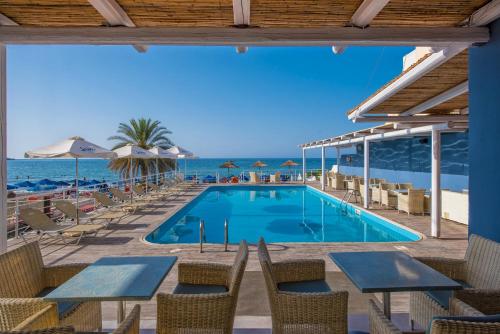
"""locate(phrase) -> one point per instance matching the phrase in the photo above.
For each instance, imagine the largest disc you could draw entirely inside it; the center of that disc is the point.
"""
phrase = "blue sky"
(216, 102)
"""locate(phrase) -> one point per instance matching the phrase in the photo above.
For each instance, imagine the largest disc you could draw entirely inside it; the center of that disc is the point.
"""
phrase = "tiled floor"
(125, 238)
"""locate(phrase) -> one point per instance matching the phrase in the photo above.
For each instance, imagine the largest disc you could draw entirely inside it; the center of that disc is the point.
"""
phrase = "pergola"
(448, 25)
(420, 101)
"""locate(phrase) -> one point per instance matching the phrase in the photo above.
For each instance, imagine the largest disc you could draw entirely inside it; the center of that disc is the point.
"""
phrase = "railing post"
(202, 233)
(17, 218)
(226, 234)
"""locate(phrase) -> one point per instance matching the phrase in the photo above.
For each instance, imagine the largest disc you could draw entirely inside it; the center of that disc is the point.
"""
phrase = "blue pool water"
(278, 213)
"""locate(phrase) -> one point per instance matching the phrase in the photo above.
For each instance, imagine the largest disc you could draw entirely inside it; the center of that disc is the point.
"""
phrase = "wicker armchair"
(362, 191)
(301, 301)
(49, 330)
(337, 182)
(205, 299)
(404, 186)
(380, 324)
(478, 272)
(387, 197)
(25, 280)
(413, 202)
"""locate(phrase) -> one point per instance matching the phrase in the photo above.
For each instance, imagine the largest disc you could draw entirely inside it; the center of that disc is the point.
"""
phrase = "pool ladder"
(203, 236)
(347, 197)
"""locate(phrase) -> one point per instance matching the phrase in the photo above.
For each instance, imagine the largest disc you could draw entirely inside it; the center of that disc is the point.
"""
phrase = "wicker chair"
(380, 324)
(362, 191)
(413, 202)
(478, 272)
(205, 299)
(337, 182)
(301, 301)
(387, 197)
(49, 330)
(25, 280)
(404, 186)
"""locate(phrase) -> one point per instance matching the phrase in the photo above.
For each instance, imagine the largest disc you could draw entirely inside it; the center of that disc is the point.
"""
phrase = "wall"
(484, 137)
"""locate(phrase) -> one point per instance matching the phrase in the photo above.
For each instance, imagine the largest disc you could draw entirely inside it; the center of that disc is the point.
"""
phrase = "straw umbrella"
(228, 164)
(74, 147)
(259, 164)
(161, 154)
(132, 152)
(289, 164)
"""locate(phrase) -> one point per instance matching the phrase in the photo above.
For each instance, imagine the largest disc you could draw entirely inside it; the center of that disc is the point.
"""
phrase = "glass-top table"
(116, 279)
(390, 271)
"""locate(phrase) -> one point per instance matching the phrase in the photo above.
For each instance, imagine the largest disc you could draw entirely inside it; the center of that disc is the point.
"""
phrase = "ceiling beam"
(362, 17)
(412, 119)
(7, 21)
(115, 16)
(438, 99)
(429, 36)
(484, 15)
(241, 13)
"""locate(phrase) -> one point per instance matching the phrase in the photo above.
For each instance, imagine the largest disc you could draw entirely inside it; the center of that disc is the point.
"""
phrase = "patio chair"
(337, 182)
(44, 226)
(275, 178)
(70, 210)
(404, 186)
(163, 191)
(478, 273)
(205, 299)
(105, 201)
(301, 300)
(254, 178)
(25, 279)
(388, 197)
(464, 320)
(376, 193)
(48, 330)
(141, 192)
(362, 191)
(125, 198)
(413, 202)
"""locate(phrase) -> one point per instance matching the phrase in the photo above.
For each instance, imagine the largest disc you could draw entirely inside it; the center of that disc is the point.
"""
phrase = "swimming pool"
(279, 214)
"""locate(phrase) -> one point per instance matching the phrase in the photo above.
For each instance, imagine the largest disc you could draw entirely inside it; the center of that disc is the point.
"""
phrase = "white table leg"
(387, 304)
(120, 316)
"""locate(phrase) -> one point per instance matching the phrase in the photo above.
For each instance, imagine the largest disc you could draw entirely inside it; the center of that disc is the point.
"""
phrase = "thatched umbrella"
(228, 164)
(289, 164)
(259, 164)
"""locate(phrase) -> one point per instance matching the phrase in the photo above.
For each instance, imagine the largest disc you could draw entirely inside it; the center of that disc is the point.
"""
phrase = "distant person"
(11, 194)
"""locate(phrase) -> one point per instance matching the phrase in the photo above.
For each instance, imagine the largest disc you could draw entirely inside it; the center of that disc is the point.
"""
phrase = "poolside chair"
(301, 301)
(388, 197)
(338, 182)
(404, 186)
(105, 201)
(464, 319)
(254, 178)
(125, 198)
(44, 226)
(163, 191)
(362, 191)
(70, 210)
(413, 202)
(25, 279)
(275, 178)
(376, 193)
(141, 192)
(205, 299)
(478, 273)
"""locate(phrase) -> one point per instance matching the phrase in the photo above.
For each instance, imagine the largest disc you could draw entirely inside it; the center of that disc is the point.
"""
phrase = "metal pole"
(303, 165)
(338, 160)
(17, 218)
(367, 174)
(3, 148)
(202, 233)
(436, 183)
(226, 234)
(323, 178)
(77, 194)
(157, 172)
(387, 304)
(130, 181)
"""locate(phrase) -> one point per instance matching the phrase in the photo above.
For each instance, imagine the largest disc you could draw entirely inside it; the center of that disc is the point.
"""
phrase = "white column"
(323, 176)
(338, 159)
(436, 183)
(303, 165)
(3, 149)
(366, 195)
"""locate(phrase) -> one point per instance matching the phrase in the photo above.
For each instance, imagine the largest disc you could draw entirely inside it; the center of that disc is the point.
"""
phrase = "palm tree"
(146, 134)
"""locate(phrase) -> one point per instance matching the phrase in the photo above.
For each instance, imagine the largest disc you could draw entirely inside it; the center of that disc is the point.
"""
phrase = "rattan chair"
(205, 299)
(131, 324)
(478, 272)
(49, 330)
(300, 299)
(25, 280)
(380, 324)
(387, 197)
(404, 186)
(413, 202)
(337, 182)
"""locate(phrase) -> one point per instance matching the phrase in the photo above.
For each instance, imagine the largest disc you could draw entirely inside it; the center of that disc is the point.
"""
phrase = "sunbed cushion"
(196, 289)
(63, 308)
(443, 297)
(305, 286)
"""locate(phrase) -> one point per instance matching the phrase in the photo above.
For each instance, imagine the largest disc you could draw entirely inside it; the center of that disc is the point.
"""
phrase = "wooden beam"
(448, 36)
(412, 119)
(367, 11)
(241, 13)
(7, 21)
(114, 15)
(484, 15)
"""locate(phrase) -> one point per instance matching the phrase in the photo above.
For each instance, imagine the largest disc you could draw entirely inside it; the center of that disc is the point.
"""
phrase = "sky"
(217, 103)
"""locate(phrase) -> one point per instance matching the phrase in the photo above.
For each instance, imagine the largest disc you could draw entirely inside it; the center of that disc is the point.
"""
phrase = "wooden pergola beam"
(412, 119)
(115, 16)
(241, 12)
(7, 21)
(423, 36)
(484, 15)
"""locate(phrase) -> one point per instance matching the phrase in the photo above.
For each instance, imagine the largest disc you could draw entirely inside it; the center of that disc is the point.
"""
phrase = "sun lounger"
(70, 211)
(107, 202)
(43, 225)
(124, 197)
(141, 192)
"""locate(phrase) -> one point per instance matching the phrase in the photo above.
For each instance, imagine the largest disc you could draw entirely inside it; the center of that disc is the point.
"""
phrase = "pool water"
(279, 214)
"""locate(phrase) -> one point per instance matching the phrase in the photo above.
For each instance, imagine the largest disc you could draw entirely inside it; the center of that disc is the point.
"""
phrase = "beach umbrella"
(24, 184)
(74, 147)
(132, 152)
(289, 164)
(11, 187)
(181, 153)
(259, 164)
(161, 154)
(228, 164)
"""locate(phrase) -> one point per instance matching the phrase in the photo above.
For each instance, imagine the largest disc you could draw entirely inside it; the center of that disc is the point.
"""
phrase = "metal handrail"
(202, 234)
(226, 234)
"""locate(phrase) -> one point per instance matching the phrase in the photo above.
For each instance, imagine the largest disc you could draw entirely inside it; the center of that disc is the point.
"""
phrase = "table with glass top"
(390, 271)
(121, 279)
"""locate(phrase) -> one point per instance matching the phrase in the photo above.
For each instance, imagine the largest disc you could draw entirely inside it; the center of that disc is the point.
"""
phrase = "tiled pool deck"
(125, 239)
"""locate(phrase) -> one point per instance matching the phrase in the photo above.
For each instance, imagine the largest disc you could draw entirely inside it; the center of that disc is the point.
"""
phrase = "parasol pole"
(77, 193)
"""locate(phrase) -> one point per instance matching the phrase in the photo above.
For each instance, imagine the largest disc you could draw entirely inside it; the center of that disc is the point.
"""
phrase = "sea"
(96, 169)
